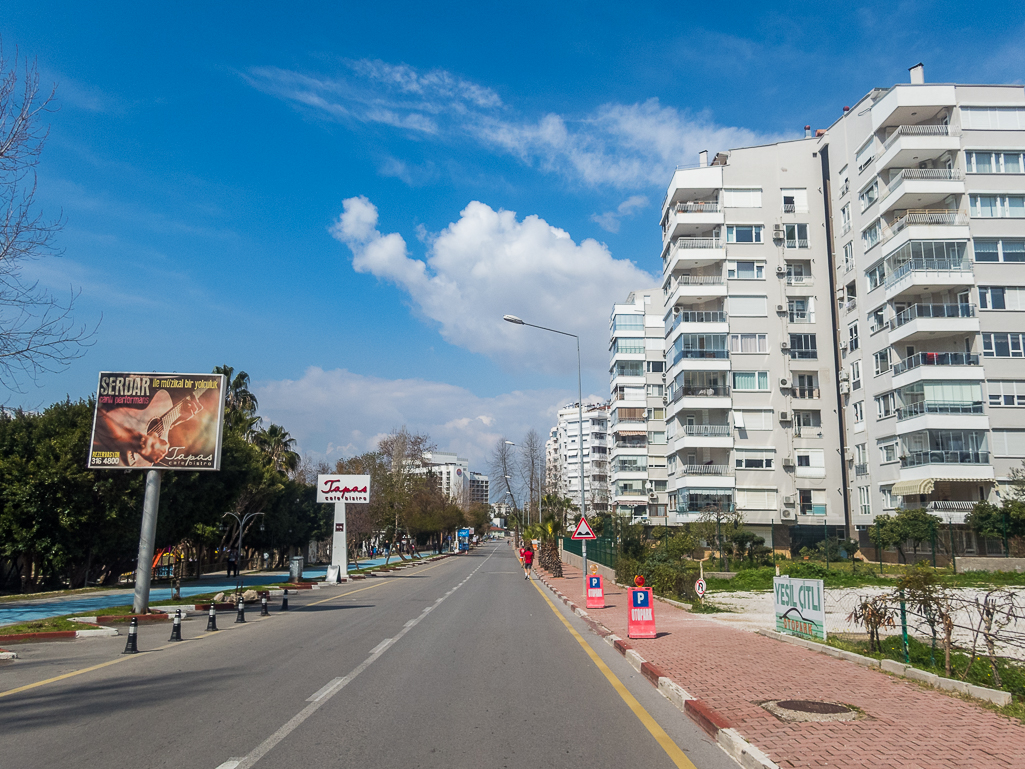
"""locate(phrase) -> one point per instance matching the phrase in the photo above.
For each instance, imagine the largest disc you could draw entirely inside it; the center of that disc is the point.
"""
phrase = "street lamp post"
(580, 427)
(242, 521)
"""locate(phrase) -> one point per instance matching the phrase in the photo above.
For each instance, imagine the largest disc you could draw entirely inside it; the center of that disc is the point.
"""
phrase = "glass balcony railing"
(938, 407)
(707, 431)
(699, 391)
(928, 264)
(704, 354)
(695, 316)
(933, 311)
(935, 359)
(919, 458)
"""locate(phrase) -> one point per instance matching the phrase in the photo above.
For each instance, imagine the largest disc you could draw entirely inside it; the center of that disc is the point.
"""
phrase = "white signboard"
(354, 489)
(800, 607)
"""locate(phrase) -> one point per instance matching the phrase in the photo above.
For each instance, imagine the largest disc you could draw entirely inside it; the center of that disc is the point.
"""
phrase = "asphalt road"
(460, 663)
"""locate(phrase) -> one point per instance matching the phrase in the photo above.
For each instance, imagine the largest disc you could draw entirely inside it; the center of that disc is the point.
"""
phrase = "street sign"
(700, 588)
(584, 531)
(641, 621)
(595, 592)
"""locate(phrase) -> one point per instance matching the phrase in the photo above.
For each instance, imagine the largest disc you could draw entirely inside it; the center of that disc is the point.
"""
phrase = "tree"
(37, 333)
(530, 466)
(992, 522)
(501, 464)
(278, 445)
(239, 404)
(402, 452)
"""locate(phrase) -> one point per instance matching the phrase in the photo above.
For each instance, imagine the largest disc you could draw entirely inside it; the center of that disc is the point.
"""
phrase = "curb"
(717, 726)
(54, 635)
(994, 696)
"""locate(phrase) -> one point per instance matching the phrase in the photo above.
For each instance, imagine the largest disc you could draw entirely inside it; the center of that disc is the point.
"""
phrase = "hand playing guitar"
(141, 436)
(151, 447)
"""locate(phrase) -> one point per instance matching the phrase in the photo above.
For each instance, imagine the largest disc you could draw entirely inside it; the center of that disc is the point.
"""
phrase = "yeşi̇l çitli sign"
(800, 607)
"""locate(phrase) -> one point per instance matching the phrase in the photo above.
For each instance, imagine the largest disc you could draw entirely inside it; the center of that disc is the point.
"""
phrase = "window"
(802, 346)
(856, 375)
(628, 323)
(754, 459)
(1006, 392)
(888, 450)
(864, 500)
(742, 343)
(745, 270)
(993, 118)
(1008, 443)
(655, 366)
(656, 413)
(801, 310)
(811, 463)
(886, 492)
(1002, 345)
(848, 256)
(886, 405)
(861, 453)
(754, 420)
(859, 412)
(628, 368)
(751, 380)
(865, 155)
(628, 346)
(756, 499)
(795, 200)
(657, 438)
(796, 235)
(798, 272)
(1000, 250)
(881, 361)
(808, 418)
(869, 195)
(698, 346)
(845, 219)
(876, 276)
(852, 335)
(744, 233)
(871, 234)
(1002, 298)
(748, 307)
(742, 198)
(986, 162)
(997, 206)
(656, 390)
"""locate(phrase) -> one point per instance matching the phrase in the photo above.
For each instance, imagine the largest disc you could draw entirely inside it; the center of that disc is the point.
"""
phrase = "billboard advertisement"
(161, 421)
(343, 488)
(800, 607)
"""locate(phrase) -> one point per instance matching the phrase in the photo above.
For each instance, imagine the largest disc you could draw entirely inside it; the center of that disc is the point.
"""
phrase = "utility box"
(295, 569)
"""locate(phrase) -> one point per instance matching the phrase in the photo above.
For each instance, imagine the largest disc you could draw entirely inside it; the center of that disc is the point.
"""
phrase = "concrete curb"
(994, 696)
(55, 635)
(720, 729)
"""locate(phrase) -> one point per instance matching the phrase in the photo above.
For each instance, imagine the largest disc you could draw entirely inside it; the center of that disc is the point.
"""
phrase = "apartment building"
(751, 386)
(455, 479)
(637, 435)
(480, 492)
(563, 453)
(926, 187)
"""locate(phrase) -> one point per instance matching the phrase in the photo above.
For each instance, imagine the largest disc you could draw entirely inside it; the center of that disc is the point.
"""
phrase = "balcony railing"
(707, 431)
(919, 458)
(941, 216)
(689, 391)
(698, 280)
(710, 207)
(798, 243)
(933, 311)
(861, 468)
(706, 470)
(931, 174)
(798, 280)
(920, 130)
(938, 407)
(800, 317)
(935, 359)
(928, 264)
(806, 392)
(640, 443)
(696, 316)
(703, 354)
(697, 243)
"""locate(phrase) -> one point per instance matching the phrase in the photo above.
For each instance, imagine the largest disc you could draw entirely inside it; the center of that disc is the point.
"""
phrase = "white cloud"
(489, 263)
(609, 221)
(621, 145)
(339, 413)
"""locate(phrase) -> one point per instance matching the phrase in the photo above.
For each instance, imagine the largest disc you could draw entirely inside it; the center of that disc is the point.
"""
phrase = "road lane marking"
(330, 690)
(320, 692)
(676, 755)
(387, 641)
(229, 764)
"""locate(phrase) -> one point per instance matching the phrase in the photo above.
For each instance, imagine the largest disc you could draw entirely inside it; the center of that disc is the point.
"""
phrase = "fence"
(601, 550)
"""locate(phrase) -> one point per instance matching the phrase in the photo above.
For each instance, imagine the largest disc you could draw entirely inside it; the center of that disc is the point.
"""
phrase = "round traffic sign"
(700, 587)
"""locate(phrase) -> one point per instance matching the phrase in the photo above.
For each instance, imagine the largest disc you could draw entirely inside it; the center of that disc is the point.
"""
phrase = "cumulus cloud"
(620, 145)
(489, 263)
(609, 221)
(454, 417)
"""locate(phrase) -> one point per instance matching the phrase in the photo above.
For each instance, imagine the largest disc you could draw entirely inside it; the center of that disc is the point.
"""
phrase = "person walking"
(527, 556)
(233, 561)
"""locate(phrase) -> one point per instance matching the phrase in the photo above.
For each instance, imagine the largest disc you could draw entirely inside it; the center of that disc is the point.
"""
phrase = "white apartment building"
(751, 386)
(637, 438)
(454, 477)
(563, 452)
(926, 186)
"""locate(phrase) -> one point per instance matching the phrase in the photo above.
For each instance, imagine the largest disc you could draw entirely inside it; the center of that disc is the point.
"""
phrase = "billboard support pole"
(144, 566)
(339, 543)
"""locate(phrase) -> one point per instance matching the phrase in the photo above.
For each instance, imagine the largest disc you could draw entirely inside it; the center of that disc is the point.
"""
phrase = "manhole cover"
(810, 710)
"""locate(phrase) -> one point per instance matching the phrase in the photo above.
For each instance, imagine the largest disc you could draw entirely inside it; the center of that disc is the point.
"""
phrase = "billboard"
(343, 488)
(162, 421)
(800, 607)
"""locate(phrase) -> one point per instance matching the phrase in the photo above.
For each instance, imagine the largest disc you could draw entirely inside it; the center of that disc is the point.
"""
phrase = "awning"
(629, 432)
(910, 488)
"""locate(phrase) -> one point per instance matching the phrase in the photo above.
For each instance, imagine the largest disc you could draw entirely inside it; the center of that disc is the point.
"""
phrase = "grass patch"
(49, 625)
(707, 607)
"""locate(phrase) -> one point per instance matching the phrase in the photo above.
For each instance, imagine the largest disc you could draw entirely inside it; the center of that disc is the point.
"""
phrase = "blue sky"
(343, 200)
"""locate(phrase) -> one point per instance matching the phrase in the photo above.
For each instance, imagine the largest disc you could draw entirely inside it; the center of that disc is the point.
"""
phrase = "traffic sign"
(700, 587)
(584, 531)
(595, 592)
(641, 620)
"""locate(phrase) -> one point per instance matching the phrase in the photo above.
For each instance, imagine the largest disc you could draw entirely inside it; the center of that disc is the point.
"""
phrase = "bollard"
(211, 624)
(241, 616)
(263, 607)
(176, 628)
(284, 601)
(133, 644)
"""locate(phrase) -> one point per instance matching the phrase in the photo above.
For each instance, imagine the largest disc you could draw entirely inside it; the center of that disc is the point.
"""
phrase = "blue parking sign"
(640, 598)
(594, 582)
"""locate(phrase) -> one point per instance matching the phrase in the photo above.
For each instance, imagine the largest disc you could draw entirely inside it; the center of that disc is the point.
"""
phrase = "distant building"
(455, 479)
(479, 489)
(563, 453)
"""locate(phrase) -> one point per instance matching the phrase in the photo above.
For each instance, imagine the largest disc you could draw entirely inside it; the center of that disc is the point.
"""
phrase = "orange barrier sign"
(595, 592)
(641, 622)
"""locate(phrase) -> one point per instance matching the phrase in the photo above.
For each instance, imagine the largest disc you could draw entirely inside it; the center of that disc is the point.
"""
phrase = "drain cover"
(810, 710)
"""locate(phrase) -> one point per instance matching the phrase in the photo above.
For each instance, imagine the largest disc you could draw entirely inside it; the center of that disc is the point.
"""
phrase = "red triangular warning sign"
(584, 531)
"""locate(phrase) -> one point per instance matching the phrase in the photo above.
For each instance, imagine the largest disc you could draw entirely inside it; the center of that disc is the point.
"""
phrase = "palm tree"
(278, 445)
(239, 404)
(551, 530)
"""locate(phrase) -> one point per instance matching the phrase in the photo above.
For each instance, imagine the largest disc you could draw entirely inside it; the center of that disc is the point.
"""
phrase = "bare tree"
(501, 464)
(402, 453)
(37, 333)
(531, 463)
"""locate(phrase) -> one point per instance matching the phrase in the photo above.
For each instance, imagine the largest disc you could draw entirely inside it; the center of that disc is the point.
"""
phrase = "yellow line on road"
(677, 756)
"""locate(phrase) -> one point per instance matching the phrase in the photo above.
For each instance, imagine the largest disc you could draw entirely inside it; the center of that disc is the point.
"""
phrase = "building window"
(1008, 443)
(742, 198)
(1001, 298)
(628, 368)
(997, 206)
(993, 118)
(802, 346)
(748, 306)
(866, 154)
(876, 319)
(859, 412)
(628, 346)
(628, 323)
(796, 235)
(861, 453)
(753, 419)
(744, 233)
(864, 500)
(876, 276)
(657, 437)
(656, 390)
(886, 492)
(881, 361)
(986, 162)
(751, 380)
(869, 195)
(852, 335)
(871, 234)
(811, 463)
(800, 310)
(795, 200)
(999, 250)
(811, 501)
(754, 459)
(655, 366)
(845, 220)
(756, 499)
(1002, 345)
(741, 343)
(745, 270)
(886, 405)
(856, 375)
(1006, 392)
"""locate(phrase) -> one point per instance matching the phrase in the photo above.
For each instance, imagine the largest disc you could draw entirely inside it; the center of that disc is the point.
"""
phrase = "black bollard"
(176, 628)
(211, 624)
(133, 644)
(284, 601)
(241, 616)
(263, 606)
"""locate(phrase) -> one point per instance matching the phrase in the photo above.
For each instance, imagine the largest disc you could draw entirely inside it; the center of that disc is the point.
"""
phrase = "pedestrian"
(527, 555)
(233, 561)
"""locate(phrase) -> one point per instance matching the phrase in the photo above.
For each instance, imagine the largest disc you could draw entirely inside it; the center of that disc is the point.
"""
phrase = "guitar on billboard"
(158, 418)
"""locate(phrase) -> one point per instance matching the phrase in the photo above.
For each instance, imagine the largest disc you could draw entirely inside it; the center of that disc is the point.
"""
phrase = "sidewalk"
(732, 670)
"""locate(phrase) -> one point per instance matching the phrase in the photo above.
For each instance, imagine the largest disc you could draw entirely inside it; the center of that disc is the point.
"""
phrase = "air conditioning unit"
(778, 233)
(784, 416)
(788, 463)
(789, 500)
(781, 270)
(784, 345)
(665, 400)
(788, 515)
(848, 454)
(781, 308)
(845, 388)
(843, 346)
(663, 376)
(784, 382)
(844, 375)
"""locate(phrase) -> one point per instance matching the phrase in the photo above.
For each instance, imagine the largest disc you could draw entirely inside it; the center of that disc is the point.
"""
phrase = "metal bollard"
(132, 646)
(211, 624)
(176, 628)
(241, 616)
(263, 606)
(284, 601)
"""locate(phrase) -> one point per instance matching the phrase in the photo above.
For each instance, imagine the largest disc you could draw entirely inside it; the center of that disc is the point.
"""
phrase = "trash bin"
(295, 569)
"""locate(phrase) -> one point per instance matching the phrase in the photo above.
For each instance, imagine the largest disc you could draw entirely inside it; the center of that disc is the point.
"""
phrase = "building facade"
(637, 435)
(563, 452)
(454, 478)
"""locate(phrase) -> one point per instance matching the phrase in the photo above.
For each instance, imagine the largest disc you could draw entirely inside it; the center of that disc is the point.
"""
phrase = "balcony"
(924, 224)
(707, 430)
(937, 365)
(921, 188)
(688, 253)
(938, 407)
(801, 317)
(910, 144)
(688, 289)
(920, 458)
(706, 470)
(698, 321)
(941, 415)
(690, 219)
(861, 468)
(804, 393)
(922, 321)
(929, 275)
(703, 437)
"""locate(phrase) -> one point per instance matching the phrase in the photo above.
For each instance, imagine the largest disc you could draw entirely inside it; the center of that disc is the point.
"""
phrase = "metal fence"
(601, 550)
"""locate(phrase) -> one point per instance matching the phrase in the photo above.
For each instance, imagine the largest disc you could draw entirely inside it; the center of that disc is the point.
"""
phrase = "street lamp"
(242, 521)
(580, 424)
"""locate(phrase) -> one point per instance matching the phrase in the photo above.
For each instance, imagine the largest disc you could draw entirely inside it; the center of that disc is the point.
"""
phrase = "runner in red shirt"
(527, 556)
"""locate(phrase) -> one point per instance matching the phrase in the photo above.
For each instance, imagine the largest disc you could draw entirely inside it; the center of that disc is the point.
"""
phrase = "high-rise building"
(563, 453)
(637, 438)
(479, 489)
(454, 478)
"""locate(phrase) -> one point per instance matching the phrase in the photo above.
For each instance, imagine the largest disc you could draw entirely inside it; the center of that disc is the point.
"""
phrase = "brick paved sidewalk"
(732, 670)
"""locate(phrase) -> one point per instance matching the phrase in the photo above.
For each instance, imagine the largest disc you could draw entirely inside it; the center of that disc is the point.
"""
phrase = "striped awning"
(629, 432)
(910, 488)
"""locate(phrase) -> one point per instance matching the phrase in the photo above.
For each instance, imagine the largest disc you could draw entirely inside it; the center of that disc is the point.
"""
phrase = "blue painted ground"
(28, 611)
